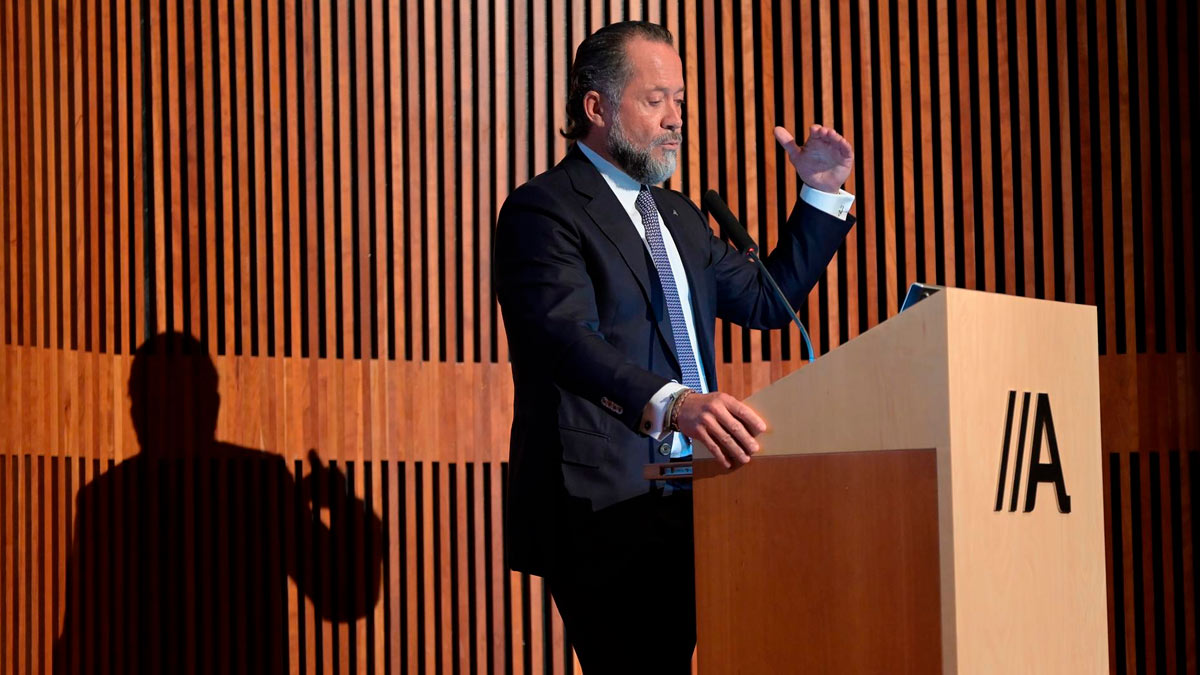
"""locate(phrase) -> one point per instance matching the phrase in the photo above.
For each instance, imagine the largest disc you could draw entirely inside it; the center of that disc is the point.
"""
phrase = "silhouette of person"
(181, 553)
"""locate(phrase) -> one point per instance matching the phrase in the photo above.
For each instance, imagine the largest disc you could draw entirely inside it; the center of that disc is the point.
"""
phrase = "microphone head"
(717, 208)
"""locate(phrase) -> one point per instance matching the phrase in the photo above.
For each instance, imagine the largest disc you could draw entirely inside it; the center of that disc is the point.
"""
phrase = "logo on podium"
(1038, 472)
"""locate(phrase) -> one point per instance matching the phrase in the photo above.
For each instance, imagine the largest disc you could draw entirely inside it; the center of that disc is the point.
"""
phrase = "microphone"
(717, 208)
(729, 224)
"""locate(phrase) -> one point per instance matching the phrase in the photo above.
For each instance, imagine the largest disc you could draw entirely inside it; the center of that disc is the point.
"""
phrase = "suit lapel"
(611, 218)
(604, 209)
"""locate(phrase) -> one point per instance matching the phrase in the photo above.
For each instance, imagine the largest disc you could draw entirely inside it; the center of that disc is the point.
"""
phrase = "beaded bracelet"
(673, 417)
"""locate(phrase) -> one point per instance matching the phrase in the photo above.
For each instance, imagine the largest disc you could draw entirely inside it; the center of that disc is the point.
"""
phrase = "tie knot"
(645, 202)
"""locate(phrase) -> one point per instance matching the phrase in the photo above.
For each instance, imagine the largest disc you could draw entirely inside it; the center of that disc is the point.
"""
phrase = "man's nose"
(674, 118)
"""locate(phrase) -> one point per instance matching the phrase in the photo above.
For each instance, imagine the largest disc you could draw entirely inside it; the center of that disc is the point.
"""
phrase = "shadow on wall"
(181, 553)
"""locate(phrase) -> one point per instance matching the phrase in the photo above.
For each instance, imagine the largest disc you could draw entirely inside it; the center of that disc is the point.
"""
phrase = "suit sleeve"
(550, 312)
(807, 242)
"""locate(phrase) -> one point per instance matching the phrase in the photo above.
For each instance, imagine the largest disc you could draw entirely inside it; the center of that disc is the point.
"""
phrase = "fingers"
(816, 132)
(736, 435)
(754, 424)
(724, 447)
(728, 427)
(785, 139)
(834, 140)
(724, 424)
(717, 450)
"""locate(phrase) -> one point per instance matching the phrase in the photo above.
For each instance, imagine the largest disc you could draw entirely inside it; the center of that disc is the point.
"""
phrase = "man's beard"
(640, 163)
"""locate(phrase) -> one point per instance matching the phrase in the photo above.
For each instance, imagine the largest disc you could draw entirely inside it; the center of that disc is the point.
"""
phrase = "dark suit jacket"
(590, 339)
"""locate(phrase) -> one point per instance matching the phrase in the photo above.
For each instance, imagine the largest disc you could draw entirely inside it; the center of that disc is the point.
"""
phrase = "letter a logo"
(1039, 472)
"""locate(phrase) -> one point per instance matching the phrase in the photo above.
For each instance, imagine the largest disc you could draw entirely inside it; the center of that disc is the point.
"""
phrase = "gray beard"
(638, 163)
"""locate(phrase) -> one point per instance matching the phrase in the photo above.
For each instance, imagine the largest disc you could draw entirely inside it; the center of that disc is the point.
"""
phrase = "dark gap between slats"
(1056, 195)
(1097, 187)
(1116, 535)
(1035, 147)
(1135, 531)
(1076, 143)
(1015, 141)
(419, 539)
(435, 526)
(506, 577)
(977, 166)
(489, 571)
(957, 170)
(1156, 560)
(473, 601)
(1176, 152)
(366, 544)
(526, 626)
(1178, 597)
(1193, 479)
(1116, 142)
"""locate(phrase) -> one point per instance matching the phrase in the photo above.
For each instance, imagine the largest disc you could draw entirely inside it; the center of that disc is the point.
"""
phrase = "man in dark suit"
(610, 288)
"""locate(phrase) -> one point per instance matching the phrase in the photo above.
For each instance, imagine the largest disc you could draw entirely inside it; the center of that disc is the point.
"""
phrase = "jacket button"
(664, 449)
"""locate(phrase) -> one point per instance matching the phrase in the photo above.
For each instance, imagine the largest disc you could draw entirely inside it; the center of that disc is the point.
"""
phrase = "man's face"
(645, 135)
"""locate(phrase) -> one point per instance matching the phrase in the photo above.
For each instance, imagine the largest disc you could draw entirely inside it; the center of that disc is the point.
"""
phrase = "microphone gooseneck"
(717, 208)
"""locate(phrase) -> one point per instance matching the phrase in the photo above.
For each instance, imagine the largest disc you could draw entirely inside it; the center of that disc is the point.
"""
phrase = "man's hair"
(601, 64)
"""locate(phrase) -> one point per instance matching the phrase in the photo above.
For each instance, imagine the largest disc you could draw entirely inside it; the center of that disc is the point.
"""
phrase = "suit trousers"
(625, 586)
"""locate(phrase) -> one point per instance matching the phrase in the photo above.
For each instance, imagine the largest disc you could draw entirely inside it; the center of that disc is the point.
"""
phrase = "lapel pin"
(674, 212)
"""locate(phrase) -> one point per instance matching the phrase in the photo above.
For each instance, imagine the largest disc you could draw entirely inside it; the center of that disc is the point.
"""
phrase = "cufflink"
(664, 448)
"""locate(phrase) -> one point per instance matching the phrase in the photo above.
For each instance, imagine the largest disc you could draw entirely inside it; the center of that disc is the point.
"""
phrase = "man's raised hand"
(824, 161)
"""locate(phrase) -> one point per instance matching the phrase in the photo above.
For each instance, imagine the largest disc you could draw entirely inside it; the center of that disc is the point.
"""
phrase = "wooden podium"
(928, 498)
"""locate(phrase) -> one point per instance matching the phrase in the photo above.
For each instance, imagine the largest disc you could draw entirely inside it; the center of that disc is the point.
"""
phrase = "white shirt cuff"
(654, 414)
(836, 205)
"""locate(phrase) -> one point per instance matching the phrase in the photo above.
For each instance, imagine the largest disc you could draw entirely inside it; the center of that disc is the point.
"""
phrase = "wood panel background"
(310, 188)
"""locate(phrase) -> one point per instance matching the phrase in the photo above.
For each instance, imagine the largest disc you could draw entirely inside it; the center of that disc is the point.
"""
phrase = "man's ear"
(595, 107)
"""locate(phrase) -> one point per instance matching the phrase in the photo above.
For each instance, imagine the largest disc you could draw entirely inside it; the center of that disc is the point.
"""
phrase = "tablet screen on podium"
(918, 292)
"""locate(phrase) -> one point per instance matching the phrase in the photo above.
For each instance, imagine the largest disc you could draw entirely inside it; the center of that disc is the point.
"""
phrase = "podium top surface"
(894, 386)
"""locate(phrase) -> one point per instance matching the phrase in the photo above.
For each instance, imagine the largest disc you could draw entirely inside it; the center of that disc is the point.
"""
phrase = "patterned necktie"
(679, 329)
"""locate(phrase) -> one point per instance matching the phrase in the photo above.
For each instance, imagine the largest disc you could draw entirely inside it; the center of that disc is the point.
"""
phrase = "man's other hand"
(724, 424)
(824, 161)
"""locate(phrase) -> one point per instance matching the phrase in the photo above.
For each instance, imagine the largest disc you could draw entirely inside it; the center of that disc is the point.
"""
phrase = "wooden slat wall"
(310, 189)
